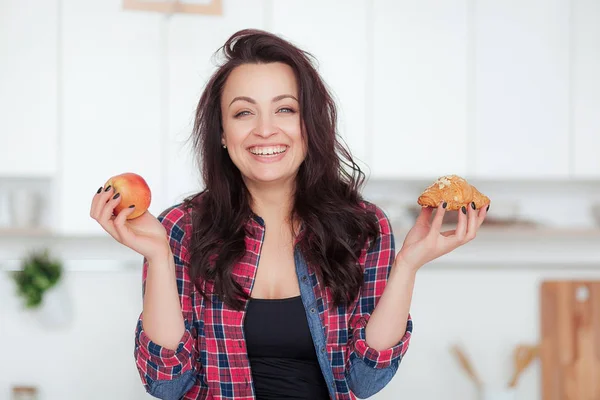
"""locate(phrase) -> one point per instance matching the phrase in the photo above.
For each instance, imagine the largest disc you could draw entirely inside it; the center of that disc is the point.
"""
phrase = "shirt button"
(322, 349)
(312, 310)
(304, 278)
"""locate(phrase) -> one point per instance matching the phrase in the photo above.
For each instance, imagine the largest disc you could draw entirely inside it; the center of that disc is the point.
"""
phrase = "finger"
(120, 226)
(449, 233)
(482, 214)
(95, 201)
(100, 201)
(425, 215)
(436, 225)
(461, 226)
(106, 215)
(471, 222)
(109, 207)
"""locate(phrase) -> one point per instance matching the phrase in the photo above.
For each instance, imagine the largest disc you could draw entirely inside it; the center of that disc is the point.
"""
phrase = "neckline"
(278, 300)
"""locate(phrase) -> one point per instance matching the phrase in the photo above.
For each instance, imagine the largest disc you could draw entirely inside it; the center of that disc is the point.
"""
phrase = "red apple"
(133, 189)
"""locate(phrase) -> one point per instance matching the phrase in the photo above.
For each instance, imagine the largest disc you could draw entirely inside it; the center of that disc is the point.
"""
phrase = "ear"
(223, 142)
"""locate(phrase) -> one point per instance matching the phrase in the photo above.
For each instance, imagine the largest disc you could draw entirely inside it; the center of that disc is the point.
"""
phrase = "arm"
(388, 323)
(165, 350)
(381, 324)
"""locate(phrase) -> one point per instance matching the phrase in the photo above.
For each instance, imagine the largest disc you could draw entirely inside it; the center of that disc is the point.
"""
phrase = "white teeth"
(268, 151)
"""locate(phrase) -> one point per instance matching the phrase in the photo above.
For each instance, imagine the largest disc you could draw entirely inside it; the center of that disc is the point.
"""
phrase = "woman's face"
(261, 122)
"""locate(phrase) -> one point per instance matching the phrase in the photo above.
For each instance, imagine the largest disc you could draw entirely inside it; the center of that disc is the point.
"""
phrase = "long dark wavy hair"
(327, 201)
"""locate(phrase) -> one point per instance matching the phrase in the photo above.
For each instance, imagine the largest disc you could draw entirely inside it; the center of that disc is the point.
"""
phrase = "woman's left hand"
(425, 241)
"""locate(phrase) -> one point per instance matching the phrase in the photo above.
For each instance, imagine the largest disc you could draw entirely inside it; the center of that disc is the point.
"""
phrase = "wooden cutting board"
(570, 340)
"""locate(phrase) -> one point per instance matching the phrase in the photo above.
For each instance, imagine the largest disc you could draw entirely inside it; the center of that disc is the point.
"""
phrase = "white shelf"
(98, 249)
(511, 233)
(504, 248)
(523, 248)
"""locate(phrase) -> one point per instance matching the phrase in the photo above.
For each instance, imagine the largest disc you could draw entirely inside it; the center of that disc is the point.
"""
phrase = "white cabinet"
(521, 89)
(586, 88)
(111, 92)
(191, 42)
(28, 88)
(419, 100)
(337, 38)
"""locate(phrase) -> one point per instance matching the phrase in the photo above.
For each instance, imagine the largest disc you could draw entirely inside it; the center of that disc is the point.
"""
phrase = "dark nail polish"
(464, 210)
(99, 190)
(473, 205)
(107, 188)
(131, 206)
(116, 195)
(444, 205)
(488, 208)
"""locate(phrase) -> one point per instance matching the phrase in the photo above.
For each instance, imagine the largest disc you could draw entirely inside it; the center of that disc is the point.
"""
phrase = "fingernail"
(464, 210)
(488, 208)
(473, 205)
(131, 206)
(107, 188)
(99, 190)
(444, 205)
(116, 195)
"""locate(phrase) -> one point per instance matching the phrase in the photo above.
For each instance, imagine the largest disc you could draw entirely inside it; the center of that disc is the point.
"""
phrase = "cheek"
(234, 134)
(293, 128)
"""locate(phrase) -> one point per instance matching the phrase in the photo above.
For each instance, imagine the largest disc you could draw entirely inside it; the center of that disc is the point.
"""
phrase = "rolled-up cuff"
(160, 362)
(379, 358)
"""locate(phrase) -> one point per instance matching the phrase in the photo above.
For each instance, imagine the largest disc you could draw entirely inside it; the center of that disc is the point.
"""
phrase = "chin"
(269, 178)
(270, 175)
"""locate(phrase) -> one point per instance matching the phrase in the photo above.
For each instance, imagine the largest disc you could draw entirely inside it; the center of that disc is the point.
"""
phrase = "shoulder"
(177, 218)
(177, 222)
(179, 215)
(379, 252)
(383, 221)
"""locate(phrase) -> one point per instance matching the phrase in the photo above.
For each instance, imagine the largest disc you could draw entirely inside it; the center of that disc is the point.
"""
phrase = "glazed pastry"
(455, 191)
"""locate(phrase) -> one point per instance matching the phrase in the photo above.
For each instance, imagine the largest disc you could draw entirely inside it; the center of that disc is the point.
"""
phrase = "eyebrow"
(251, 100)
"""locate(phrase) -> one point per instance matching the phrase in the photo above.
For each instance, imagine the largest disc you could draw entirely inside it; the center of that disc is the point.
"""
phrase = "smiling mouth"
(267, 151)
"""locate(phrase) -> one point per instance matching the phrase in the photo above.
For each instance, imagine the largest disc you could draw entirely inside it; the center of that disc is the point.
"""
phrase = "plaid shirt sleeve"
(378, 263)
(163, 369)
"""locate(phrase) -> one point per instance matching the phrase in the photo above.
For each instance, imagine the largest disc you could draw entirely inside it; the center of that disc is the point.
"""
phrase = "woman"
(278, 281)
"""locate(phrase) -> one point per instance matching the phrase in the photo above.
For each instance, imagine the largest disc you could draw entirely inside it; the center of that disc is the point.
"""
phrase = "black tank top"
(282, 354)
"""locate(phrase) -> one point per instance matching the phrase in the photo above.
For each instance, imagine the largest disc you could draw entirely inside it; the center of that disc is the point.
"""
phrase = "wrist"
(164, 255)
(404, 267)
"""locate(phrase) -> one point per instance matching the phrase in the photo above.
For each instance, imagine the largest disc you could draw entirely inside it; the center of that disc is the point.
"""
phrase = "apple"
(133, 189)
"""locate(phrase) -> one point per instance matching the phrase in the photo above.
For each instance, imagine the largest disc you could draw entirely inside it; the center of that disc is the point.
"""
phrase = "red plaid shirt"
(211, 361)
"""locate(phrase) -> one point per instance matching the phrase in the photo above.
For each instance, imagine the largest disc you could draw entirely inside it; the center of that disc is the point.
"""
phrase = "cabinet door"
(419, 99)
(111, 104)
(28, 88)
(337, 38)
(192, 41)
(586, 88)
(521, 78)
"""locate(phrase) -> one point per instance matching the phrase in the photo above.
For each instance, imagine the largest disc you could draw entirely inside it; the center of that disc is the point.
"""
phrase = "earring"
(224, 146)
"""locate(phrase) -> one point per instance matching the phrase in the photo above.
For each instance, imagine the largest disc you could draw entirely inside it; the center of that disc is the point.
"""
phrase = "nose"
(265, 126)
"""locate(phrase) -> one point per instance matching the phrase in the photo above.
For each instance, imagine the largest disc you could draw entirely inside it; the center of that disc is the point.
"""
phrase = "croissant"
(455, 191)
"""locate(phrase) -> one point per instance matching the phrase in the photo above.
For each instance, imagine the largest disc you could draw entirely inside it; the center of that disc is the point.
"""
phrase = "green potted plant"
(39, 273)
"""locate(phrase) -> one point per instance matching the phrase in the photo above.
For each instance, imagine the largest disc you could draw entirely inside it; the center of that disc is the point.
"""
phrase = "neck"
(273, 202)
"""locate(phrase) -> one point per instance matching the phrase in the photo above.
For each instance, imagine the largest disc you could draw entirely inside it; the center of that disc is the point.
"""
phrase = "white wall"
(421, 90)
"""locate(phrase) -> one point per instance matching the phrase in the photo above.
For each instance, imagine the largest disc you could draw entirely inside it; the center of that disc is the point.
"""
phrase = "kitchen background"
(505, 93)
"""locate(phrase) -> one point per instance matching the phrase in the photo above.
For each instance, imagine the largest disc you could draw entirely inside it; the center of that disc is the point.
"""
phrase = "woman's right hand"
(144, 234)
